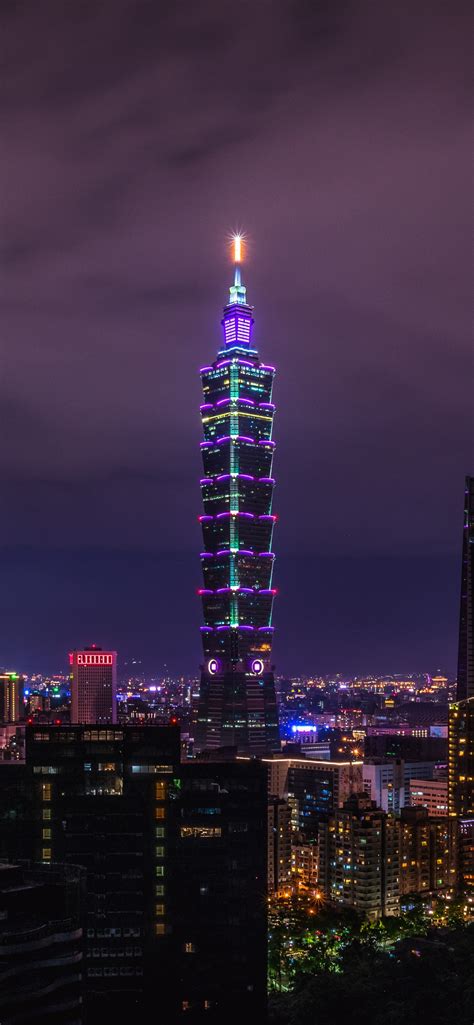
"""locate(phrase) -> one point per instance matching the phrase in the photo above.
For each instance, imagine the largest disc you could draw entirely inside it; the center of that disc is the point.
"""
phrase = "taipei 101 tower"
(237, 705)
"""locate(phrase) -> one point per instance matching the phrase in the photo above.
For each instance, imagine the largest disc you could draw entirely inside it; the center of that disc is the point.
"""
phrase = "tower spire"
(237, 291)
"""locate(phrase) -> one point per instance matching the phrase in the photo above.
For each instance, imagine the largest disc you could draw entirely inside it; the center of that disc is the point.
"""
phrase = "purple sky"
(136, 135)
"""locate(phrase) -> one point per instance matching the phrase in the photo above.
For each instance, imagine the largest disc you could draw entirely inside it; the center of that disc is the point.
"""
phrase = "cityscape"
(241, 840)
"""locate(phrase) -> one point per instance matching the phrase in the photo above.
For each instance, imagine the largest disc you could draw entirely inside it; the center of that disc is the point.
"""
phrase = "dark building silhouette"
(41, 944)
(465, 677)
(175, 859)
(237, 703)
(222, 894)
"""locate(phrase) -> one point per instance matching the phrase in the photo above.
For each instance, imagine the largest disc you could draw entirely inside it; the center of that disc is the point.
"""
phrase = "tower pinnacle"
(237, 291)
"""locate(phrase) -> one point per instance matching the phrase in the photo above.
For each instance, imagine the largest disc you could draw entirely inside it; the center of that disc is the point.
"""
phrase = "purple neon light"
(206, 444)
(223, 363)
(223, 551)
(202, 519)
(224, 627)
(222, 402)
(203, 369)
(243, 626)
(205, 590)
(266, 405)
(221, 516)
(265, 366)
(268, 516)
(223, 476)
(206, 629)
(268, 555)
(245, 551)
(206, 405)
(247, 515)
(267, 480)
(266, 441)
(245, 363)
(234, 437)
(206, 555)
(206, 480)
(268, 590)
(270, 628)
(245, 590)
(245, 476)
(248, 402)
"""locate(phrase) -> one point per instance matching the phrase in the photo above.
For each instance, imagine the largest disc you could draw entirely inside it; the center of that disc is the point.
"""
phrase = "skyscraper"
(465, 685)
(237, 704)
(93, 686)
(9, 697)
(461, 787)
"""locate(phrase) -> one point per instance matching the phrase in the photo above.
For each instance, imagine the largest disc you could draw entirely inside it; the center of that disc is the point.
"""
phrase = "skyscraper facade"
(465, 678)
(93, 686)
(237, 704)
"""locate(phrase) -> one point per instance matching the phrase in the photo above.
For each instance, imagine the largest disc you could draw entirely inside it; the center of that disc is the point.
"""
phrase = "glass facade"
(237, 705)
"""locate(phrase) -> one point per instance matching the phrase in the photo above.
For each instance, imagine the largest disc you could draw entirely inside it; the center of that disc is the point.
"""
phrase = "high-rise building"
(425, 852)
(93, 686)
(237, 704)
(461, 787)
(387, 781)
(9, 698)
(175, 859)
(465, 678)
(359, 858)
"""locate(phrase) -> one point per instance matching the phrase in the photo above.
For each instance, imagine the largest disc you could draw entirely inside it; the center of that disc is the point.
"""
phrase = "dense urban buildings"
(9, 698)
(237, 704)
(93, 686)
(461, 786)
(465, 677)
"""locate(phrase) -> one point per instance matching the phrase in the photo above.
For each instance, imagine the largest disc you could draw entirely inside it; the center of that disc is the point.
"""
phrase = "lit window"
(46, 834)
(47, 813)
(159, 910)
(159, 890)
(159, 870)
(201, 832)
(159, 813)
(159, 852)
(159, 831)
(185, 1006)
(159, 928)
(46, 853)
(189, 948)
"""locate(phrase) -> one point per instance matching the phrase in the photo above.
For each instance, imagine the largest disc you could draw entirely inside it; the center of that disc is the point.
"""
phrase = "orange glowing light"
(237, 242)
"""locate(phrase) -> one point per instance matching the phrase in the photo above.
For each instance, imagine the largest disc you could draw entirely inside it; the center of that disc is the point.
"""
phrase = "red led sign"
(92, 659)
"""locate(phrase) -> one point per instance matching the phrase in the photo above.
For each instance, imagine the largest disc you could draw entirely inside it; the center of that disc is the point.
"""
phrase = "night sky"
(136, 136)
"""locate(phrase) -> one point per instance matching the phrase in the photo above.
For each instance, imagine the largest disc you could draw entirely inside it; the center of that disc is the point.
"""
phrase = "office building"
(431, 794)
(387, 782)
(93, 686)
(41, 944)
(358, 847)
(279, 845)
(10, 684)
(237, 703)
(317, 789)
(465, 675)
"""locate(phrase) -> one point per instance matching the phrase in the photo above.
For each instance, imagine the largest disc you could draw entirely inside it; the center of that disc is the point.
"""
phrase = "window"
(152, 769)
(46, 834)
(46, 853)
(159, 890)
(159, 928)
(159, 870)
(159, 813)
(201, 832)
(159, 831)
(189, 948)
(159, 910)
(185, 1005)
(159, 851)
(47, 814)
(160, 791)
